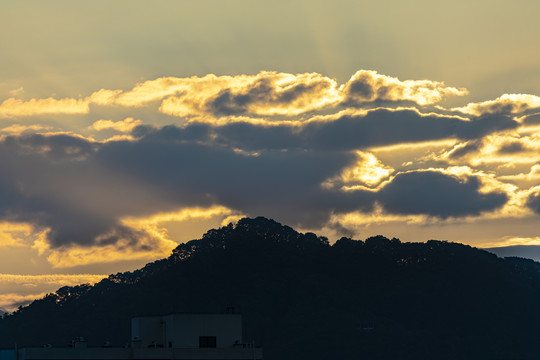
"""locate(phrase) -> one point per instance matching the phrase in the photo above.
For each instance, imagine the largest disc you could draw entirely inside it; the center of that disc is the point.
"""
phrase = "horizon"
(128, 128)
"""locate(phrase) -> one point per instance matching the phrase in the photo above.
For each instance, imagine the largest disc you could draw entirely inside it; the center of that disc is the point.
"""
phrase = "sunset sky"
(127, 127)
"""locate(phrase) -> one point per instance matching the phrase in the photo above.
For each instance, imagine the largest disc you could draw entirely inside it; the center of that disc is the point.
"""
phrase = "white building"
(175, 336)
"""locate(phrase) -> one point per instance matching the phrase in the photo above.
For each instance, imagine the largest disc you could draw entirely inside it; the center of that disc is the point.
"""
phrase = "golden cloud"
(533, 176)
(55, 279)
(15, 107)
(505, 104)
(147, 248)
(17, 129)
(104, 97)
(505, 148)
(153, 224)
(10, 302)
(512, 241)
(378, 216)
(268, 93)
(366, 173)
(367, 86)
(126, 125)
(152, 241)
(17, 234)
(27, 288)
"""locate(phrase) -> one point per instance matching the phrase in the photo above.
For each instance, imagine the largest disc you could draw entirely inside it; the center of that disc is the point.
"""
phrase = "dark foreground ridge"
(302, 298)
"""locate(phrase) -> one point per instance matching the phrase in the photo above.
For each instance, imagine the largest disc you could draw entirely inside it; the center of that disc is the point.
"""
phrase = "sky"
(128, 127)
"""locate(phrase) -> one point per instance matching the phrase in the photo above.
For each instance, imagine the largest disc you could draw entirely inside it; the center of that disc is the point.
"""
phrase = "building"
(174, 336)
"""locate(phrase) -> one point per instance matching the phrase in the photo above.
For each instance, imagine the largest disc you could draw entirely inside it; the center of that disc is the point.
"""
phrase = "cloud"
(533, 176)
(435, 193)
(377, 127)
(368, 87)
(17, 129)
(52, 183)
(23, 289)
(271, 93)
(505, 104)
(126, 125)
(532, 120)
(135, 238)
(533, 200)
(299, 148)
(83, 192)
(50, 279)
(15, 107)
(10, 302)
(514, 241)
(16, 92)
(152, 224)
(366, 173)
(118, 245)
(277, 183)
(268, 93)
(464, 149)
(16, 234)
(158, 89)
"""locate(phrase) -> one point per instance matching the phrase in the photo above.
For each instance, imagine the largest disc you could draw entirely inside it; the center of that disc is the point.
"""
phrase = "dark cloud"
(380, 127)
(366, 87)
(82, 189)
(264, 92)
(377, 128)
(54, 182)
(436, 194)
(512, 148)
(533, 202)
(533, 120)
(58, 147)
(486, 124)
(282, 184)
(194, 132)
(465, 149)
(82, 199)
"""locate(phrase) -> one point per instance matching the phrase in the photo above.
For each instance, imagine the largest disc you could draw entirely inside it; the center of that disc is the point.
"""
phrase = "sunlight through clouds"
(301, 148)
(128, 128)
(366, 173)
(152, 239)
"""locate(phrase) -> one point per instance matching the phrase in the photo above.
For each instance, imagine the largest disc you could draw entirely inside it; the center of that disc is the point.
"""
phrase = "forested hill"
(302, 298)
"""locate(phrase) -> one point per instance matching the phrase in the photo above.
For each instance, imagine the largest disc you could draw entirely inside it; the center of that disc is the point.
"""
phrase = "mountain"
(302, 298)
(523, 251)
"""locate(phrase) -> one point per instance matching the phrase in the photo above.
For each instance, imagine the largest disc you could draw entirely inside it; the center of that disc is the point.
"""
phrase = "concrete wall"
(183, 330)
(139, 354)
(74, 353)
